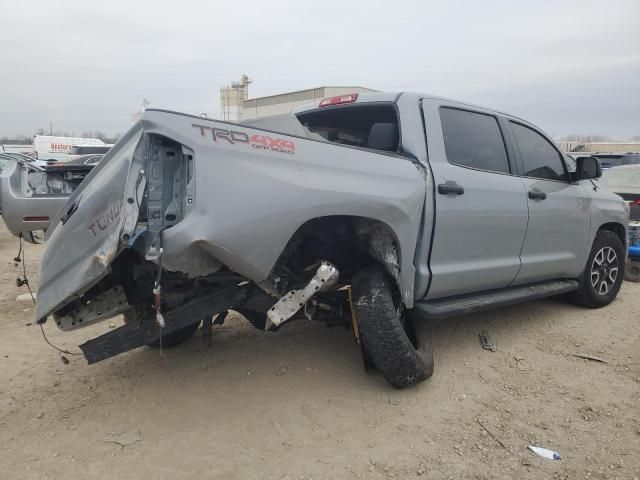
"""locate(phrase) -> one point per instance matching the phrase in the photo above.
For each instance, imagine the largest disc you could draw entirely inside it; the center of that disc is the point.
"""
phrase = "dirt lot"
(297, 403)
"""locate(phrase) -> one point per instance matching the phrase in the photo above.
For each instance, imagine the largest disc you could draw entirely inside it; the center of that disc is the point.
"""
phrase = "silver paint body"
(15, 204)
(22, 180)
(249, 203)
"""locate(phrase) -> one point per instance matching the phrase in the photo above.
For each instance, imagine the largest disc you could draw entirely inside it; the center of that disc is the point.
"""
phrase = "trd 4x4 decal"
(261, 142)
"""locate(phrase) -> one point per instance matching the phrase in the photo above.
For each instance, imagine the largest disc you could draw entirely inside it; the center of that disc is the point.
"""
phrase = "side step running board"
(475, 302)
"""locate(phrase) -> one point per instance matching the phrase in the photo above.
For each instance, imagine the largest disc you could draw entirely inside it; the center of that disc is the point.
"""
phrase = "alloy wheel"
(604, 270)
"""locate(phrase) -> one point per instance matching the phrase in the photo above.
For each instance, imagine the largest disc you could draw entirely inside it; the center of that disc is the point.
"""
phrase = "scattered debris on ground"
(25, 297)
(487, 342)
(124, 439)
(544, 453)
(593, 358)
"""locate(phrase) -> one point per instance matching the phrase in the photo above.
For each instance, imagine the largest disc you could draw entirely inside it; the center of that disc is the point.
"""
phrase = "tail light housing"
(339, 99)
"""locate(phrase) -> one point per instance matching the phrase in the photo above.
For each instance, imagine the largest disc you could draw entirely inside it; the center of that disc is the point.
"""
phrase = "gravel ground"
(297, 403)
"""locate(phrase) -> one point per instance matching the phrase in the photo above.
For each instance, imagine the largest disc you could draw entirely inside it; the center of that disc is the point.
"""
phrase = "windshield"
(621, 177)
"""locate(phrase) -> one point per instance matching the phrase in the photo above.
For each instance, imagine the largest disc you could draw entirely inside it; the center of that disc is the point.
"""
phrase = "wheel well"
(349, 242)
(616, 228)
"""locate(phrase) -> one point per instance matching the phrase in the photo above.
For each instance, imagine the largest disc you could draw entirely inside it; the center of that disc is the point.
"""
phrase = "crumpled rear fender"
(85, 236)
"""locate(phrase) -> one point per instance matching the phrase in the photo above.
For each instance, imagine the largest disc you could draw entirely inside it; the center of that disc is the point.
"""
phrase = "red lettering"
(288, 144)
(273, 142)
(260, 139)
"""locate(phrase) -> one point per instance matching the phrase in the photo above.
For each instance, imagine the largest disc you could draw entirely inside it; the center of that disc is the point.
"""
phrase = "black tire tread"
(382, 333)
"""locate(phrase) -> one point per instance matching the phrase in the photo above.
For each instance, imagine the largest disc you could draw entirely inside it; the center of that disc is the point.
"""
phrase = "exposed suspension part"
(285, 308)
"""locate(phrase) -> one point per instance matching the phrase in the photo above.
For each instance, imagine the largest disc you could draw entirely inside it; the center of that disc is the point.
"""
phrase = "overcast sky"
(567, 66)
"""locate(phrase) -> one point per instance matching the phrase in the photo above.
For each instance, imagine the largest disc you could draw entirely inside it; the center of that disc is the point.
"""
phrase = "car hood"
(622, 190)
(89, 231)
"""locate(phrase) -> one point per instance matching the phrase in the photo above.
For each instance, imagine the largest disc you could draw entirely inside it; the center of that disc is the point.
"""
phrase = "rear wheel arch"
(345, 240)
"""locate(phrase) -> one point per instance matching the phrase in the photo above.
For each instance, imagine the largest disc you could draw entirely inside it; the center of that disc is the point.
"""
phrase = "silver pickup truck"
(385, 209)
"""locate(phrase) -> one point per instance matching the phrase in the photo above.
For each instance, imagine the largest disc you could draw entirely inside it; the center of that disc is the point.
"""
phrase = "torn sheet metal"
(79, 251)
(106, 305)
(326, 276)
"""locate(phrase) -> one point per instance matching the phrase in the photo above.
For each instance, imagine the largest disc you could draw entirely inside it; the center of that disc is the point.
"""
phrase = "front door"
(559, 211)
(480, 202)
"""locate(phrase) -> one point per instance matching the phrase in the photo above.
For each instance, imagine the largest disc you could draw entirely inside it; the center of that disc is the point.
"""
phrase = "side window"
(540, 158)
(473, 140)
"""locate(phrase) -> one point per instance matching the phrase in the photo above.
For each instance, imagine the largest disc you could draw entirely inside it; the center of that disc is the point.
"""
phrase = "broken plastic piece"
(544, 452)
(487, 342)
(157, 296)
(160, 320)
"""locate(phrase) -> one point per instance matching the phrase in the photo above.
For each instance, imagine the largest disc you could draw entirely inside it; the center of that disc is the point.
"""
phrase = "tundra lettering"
(108, 217)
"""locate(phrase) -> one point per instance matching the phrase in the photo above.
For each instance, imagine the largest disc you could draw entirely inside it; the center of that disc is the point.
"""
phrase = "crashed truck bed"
(196, 197)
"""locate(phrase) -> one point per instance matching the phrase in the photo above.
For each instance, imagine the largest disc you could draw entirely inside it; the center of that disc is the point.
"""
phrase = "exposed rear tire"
(603, 273)
(170, 340)
(397, 346)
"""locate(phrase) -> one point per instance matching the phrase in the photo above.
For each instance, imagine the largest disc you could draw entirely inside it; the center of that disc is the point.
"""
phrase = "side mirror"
(588, 168)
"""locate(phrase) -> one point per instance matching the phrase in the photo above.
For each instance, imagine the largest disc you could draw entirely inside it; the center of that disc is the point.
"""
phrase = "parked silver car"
(32, 191)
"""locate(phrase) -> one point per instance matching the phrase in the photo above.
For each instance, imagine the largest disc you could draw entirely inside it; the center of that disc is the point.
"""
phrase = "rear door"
(559, 211)
(480, 202)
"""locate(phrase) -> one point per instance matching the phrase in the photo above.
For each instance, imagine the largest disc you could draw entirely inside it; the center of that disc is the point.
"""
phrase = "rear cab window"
(473, 140)
(374, 125)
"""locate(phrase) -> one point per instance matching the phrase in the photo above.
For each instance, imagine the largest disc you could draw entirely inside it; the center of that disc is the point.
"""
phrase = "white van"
(58, 148)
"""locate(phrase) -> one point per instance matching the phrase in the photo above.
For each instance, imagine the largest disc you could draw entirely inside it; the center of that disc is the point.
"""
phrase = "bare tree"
(17, 140)
(582, 138)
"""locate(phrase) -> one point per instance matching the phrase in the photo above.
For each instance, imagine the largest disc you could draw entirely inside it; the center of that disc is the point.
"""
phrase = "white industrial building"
(285, 102)
(235, 105)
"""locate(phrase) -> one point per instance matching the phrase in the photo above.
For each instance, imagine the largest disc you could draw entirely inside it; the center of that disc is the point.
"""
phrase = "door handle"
(450, 187)
(537, 195)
